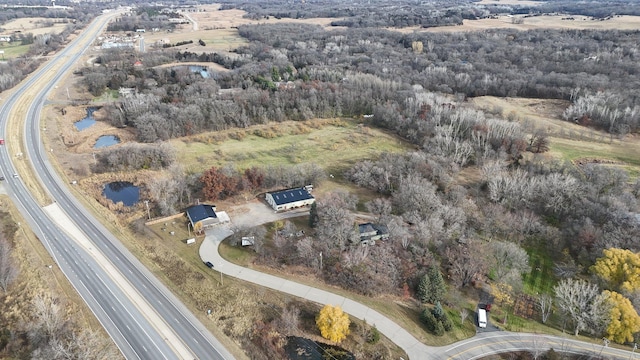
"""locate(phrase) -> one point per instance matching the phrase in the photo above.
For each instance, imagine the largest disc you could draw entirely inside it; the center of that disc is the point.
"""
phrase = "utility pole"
(320, 260)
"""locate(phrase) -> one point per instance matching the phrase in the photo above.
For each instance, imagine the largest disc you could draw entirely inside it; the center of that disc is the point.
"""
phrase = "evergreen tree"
(429, 320)
(439, 329)
(313, 215)
(424, 289)
(438, 311)
(446, 322)
(438, 287)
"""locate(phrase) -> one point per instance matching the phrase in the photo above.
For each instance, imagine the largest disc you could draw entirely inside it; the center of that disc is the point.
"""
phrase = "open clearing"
(215, 40)
(510, 2)
(536, 22)
(34, 25)
(212, 18)
(331, 144)
(13, 50)
(569, 141)
(218, 29)
(210, 65)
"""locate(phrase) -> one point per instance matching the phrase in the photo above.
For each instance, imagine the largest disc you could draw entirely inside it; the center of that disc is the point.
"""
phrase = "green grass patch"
(541, 278)
(107, 96)
(620, 151)
(236, 254)
(330, 145)
(13, 50)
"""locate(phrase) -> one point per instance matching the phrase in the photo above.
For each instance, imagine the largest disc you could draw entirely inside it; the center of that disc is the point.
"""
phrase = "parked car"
(209, 264)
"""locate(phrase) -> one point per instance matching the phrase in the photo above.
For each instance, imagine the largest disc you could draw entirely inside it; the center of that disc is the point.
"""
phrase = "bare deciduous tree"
(464, 314)
(336, 223)
(8, 268)
(510, 262)
(465, 261)
(289, 322)
(545, 304)
(583, 303)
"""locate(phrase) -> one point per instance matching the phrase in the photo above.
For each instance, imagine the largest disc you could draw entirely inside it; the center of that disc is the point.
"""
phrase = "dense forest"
(299, 72)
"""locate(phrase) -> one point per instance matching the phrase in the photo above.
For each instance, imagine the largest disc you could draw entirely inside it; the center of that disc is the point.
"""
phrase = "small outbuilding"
(202, 216)
(369, 233)
(290, 198)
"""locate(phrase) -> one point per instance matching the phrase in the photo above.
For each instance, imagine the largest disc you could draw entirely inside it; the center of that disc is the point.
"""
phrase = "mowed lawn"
(332, 146)
(13, 50)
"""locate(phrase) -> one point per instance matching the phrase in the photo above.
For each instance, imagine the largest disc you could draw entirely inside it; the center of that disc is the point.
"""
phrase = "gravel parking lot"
(256, 212)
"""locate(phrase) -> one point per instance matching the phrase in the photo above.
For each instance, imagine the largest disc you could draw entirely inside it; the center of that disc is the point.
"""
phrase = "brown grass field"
(217, 28)
(34, 25)
(210, 65)
(509, 2)
(537, 22)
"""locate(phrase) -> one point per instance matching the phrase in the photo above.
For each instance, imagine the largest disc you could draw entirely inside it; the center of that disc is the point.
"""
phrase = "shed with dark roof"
(202, 216)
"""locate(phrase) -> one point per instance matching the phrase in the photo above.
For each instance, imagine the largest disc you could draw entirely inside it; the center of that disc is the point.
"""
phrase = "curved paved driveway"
(483, 344)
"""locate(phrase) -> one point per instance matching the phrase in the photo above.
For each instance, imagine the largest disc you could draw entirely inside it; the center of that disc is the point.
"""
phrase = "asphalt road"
(481, 345)
(141, 315)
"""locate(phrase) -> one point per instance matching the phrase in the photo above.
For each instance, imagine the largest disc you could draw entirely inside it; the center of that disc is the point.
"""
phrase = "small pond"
(87, 121)
(123, 191)
(299, 348)
(106, 140)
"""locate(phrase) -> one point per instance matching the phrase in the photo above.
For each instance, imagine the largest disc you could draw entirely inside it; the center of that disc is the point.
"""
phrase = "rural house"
(202, 216)
(290, 198)
(369, 233)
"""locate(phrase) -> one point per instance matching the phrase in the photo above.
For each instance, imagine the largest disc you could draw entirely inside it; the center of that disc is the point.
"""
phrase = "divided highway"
(145, 323)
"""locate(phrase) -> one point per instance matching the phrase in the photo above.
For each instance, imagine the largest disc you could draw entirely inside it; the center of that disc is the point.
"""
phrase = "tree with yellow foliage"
(333, 323)
(624, 318)
(619, 268)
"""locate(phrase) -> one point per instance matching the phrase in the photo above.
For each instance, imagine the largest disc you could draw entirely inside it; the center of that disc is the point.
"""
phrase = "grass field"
(568, 141)
(215, 39)
(334, 145)
(538, 22)
(213, 18)
(34, 25)
(13, 50)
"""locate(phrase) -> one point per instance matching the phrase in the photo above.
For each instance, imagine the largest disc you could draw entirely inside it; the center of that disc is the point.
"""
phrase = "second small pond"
(123, 191)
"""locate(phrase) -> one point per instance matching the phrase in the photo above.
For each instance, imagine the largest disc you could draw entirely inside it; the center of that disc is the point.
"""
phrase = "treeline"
(368, 13)
(144, 18)
(596, 9)
(133, 156)
(296, 72)
(15, 70)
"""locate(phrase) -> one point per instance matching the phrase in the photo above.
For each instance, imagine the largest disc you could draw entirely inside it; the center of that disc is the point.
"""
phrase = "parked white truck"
(482, 318)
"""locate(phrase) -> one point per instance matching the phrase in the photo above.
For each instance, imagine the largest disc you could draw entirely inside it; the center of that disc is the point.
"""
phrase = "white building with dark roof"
(289, 199)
